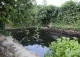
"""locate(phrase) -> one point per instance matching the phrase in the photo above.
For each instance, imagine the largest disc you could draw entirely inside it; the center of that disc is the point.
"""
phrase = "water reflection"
(38, 49)
(38, 45)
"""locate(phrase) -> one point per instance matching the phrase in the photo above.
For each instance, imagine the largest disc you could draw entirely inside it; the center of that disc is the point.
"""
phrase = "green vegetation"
(22, 13)
(17, 13)
(66, 16)
(64, 47)
(26, 13)
(75, 26)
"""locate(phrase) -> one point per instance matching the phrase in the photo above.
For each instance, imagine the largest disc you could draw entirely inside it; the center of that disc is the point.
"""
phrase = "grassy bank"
(75, 26)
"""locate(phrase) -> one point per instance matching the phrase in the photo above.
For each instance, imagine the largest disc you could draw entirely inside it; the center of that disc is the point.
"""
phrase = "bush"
(64, 47)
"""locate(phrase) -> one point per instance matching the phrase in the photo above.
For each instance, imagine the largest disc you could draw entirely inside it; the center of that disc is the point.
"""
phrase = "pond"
(38, 49)
(40, 45)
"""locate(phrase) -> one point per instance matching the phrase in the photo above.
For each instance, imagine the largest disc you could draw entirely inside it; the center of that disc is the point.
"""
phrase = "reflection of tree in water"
(44, 37)
(1, 25)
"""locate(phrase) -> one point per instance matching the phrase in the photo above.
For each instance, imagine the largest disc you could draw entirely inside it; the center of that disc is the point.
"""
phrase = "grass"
(75, 26)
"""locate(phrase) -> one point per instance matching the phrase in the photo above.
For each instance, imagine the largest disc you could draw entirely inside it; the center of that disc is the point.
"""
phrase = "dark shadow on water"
(41, 44)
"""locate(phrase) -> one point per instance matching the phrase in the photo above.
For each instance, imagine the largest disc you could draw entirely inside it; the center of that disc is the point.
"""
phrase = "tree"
(17, 12)
(69, 12)
(5, 8)
(47, 14)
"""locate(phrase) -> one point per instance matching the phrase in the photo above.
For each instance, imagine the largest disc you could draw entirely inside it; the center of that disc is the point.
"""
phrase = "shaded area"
(44, 32)
(46, 36)
(1, 55)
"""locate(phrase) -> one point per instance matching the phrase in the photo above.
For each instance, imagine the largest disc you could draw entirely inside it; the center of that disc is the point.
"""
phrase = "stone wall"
(10, 47)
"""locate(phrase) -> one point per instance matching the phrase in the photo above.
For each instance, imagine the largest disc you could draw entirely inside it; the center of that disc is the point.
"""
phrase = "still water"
(40, 45)
(38, 49)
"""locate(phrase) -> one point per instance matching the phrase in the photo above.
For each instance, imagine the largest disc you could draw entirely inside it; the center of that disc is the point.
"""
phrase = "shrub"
(64, 47)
